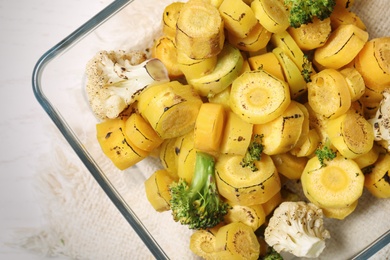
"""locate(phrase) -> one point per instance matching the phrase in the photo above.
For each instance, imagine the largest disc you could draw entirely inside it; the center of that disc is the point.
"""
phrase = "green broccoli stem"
(204, 171)
(198, 204)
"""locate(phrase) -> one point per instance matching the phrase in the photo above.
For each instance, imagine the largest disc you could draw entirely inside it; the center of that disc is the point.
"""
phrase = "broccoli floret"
(325, 153)
(199, 204)
(303, 11)
(307, 69)
(253, 153)
(272, 254)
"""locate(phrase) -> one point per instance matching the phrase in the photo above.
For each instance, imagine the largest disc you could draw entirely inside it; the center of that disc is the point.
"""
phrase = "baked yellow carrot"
(209, 127)
(373, 63)
(244, 186)
(170, 108)
(202, 243)
(377, 180)
(328, 93)
(258, 97)
(272, 14)
(368, 158)
(355, 82)
(252, 216)
(141, 133)
(308, 147)
(239, 240)
(221, 98)
(192, 68)
(112, 139)
(336, 185)
(238, 17)
(272, 203)
(351, 134)
(199, 30)
(237, 135)
(341, 16)
(169, 19)
(313, 35)
(185, 156)
(157, 190)
(286, 42)
(228, 67)
(268, 62)
(256, 39)
(340, 213)
(164, 49)
(281, 134)
(342, 47)
(289, 165)
(292, 73)
(168, 156)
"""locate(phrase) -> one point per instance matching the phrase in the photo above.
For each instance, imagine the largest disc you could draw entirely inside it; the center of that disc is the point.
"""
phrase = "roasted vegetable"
(253, 153)
(303, 11)
(258, 97)
(381, 121)
(239, 240)
(170, 108)
(115, 78)
(244, 186)
(199, 30)
(325, 153)
(336, 185)
(198, 204)
(298, 228)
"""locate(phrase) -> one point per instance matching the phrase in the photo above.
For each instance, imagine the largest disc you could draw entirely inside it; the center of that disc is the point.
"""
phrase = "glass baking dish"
(58, 83)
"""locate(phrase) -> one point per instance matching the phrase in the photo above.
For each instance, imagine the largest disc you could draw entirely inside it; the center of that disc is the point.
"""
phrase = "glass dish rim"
(130, 216)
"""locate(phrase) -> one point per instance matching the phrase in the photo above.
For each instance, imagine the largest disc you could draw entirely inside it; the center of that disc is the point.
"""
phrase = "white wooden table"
(28, 28)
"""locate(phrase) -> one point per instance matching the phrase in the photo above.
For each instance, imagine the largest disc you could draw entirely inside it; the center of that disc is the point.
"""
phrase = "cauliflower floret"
(115, 79)
(298, 228)
(381, 121)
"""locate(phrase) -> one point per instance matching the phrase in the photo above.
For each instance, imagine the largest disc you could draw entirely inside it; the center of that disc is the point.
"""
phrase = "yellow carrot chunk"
(328, 93)
(272, 14)
(377, 180)
(168, 156)
(239, 240)
(112, 139)
(237, 135)
(141, 133)
(209, 128)
(373, 63)
(199, 30)
(169, 19)
(157, 190)
(289, 165)
(351, 134)
(185, 156)
(244, 186)
(340, 213)
(281, 134)
(252, 216)
(342, 47)
(170, 108)
(238, 17)
(267, 62)
(336, 185)
(256, 39)
(164, 49)
(258, 97)
(313, 35)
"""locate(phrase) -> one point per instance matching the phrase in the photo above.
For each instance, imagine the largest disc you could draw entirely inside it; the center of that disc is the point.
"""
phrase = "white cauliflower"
(115, 79)
(381, 121)
(297, 228)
